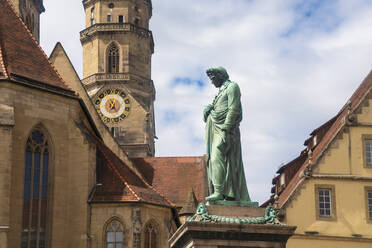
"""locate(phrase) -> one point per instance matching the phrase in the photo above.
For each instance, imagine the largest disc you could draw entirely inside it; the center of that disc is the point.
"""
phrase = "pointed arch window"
(113, 59)
(35, 196)
(92, 20)
(151, 235)
(114, 234)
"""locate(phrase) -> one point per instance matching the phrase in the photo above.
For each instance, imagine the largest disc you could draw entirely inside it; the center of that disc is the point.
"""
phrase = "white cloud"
(295, 69)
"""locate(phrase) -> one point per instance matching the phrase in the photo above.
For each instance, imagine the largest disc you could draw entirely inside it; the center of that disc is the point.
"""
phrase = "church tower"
(117, 49)
(29, 11)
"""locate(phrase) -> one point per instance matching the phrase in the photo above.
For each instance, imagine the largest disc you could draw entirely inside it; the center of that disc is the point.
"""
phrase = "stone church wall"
(72, 164)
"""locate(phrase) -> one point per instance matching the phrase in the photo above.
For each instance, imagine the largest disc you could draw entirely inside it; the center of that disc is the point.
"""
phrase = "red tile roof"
(21, 56)
(174, 177)
(340, 120)
(119, 182)
(127, 186)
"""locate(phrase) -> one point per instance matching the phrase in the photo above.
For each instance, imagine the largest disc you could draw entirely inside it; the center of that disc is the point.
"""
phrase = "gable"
(63, 64)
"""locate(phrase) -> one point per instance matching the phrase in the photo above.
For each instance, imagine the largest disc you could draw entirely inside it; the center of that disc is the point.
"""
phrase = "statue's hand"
(207, 111)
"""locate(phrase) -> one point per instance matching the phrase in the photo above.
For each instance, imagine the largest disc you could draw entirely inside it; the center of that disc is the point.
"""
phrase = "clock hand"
(112, 104)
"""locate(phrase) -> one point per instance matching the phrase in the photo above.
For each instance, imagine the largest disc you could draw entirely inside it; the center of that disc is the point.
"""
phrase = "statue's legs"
(218, 170)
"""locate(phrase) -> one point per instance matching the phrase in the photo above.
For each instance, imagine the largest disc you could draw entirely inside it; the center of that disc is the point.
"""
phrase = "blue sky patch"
(171, 116)
(188, 82)
(316, 15)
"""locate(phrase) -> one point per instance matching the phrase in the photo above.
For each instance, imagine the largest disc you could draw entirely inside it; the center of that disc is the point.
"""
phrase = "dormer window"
(282, 180)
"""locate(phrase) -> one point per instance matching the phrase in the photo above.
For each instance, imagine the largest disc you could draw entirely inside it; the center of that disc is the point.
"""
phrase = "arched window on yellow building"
(35, 195)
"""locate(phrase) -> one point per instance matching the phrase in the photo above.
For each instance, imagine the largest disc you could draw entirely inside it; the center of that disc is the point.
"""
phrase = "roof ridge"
(37, 44)
(2, 64)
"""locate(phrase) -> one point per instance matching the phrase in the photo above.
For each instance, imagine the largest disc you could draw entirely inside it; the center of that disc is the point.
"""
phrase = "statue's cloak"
(225, 165)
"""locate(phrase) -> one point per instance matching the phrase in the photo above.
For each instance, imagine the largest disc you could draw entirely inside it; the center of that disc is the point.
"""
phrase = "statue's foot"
(214, 197)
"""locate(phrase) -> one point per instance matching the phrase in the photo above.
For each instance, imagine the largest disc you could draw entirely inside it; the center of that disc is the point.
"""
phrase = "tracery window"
(114, 234)
(151, 235)
(113, 59)
(35, 196)
(92, 20)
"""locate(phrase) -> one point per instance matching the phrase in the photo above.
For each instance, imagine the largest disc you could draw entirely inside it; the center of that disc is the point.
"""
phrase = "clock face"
(113, 105)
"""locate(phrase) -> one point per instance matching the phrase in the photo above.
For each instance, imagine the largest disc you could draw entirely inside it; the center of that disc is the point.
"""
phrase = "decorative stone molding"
(137, 227)
(4, 228)
(101, 77)
(116, 27)
(88, 3)
(202, 215)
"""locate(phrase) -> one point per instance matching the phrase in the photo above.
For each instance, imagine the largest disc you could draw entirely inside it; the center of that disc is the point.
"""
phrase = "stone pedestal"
(231, 232)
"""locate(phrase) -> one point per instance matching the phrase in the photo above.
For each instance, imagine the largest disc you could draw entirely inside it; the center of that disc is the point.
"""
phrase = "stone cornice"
(331, 237)
(4, 228)
(342, 177)
(88, 3)
(115, 77)
(116, 27)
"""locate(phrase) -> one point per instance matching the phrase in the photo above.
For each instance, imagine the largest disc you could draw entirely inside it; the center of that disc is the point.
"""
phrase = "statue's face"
(216, 79)
(272, 212)
(202, 209)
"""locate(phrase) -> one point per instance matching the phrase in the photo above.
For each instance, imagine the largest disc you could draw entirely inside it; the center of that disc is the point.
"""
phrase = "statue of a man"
(225, 167)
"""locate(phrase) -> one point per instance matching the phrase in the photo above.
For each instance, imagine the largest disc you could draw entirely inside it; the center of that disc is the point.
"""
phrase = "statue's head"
(270, 212)
(202, 209)
(217, 75)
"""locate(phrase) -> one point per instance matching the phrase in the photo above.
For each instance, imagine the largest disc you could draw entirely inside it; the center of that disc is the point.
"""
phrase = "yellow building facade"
(327, 191)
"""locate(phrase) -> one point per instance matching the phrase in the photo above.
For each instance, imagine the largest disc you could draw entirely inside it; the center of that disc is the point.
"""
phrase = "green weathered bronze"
(225, 165)
(202, 215)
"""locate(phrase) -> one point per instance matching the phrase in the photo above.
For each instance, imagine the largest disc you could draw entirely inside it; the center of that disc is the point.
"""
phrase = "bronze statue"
(225, 166)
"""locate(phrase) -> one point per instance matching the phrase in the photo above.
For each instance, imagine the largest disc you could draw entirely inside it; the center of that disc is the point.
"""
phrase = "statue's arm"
(233, 105)
(207, 111)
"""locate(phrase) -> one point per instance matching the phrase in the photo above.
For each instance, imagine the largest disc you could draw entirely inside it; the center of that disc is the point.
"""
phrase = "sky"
(296, 61)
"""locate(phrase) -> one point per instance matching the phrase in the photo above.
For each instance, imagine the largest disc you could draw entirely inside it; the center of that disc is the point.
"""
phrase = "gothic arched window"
(114, 234)
(92, 20)
(35, 195)
(151, 235)
(113, 59)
